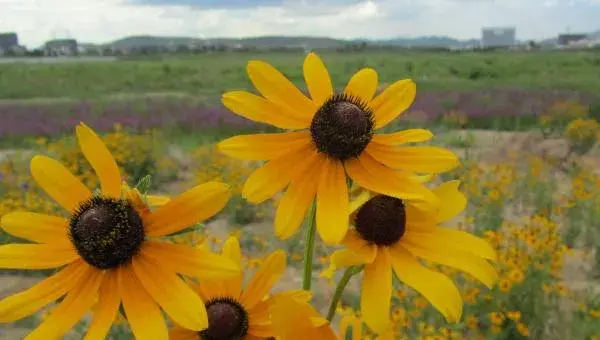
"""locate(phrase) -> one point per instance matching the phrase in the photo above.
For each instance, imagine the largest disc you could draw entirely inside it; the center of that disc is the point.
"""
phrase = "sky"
(102, 21)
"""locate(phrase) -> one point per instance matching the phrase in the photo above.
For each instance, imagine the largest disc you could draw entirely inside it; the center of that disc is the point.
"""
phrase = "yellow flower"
(234, 313)
(389, 234)
(105, 253)
(523, 329)
(514, 315)
(334, 137)
(496, 318)
(296, 319)
(516, 276)
(505, 285)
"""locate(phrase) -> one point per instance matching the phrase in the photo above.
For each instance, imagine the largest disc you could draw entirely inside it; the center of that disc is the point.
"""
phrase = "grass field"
(524, 125)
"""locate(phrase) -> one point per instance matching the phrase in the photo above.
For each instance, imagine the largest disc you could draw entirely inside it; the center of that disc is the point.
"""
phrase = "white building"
(498, 37)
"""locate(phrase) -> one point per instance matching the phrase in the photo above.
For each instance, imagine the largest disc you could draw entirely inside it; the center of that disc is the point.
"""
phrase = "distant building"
(8, 42)
(61, 47)
(498, 37)
(567, 39)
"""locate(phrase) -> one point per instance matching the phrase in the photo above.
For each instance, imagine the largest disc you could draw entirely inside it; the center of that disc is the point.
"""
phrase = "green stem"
(339, 290)
(309, 247)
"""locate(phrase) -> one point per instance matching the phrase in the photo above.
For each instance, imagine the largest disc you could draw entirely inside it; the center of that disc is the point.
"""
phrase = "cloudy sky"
(101, 21)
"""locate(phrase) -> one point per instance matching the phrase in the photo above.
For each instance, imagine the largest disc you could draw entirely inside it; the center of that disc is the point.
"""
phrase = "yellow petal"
(452, 201)
(352, 322)
(463, 261)
(36, 256)
(363, 85)
(187, 209)
(177, 299)
(157, 200)
(332, 202)
(264, 279)
(425, 159)
(437, 288)
(393, 101)
(36, 227)
(58, 182)
(448, 240)
(419, 220)
(403, 137)
(258, 109)
(232, 251)
(277, 88)
(189, 261)
(104, 164)
(358, 202)
(357, 245)
(264, 146)
(143, 314)
(344, 258)
(107, 308)
(276, 174)
(317, 79)
(293, 320)
(179, 333)
(296, 201)
(72, 308)
(377, 292)
(78, 301)
(27, 302)
(374, 176)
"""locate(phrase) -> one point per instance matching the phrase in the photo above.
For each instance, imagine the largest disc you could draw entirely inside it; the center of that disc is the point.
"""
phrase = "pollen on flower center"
(381, 220)
(227, 320)
(342, 127)
(106, 232)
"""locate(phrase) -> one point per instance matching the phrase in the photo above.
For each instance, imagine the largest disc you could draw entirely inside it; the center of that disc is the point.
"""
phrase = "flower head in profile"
(334, 137)
(390, 235)
(240, 313)
(105, 253)
(296, 319)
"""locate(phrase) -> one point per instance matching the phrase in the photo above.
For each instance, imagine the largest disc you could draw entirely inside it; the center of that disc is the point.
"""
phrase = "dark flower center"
(106, 232)
(382, 220)
(342, 127)
(227, 320)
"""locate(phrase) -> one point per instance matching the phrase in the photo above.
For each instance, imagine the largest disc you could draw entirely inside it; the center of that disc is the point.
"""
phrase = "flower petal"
(453, 202)
(463, 261)
(357, 245)
(437, 288)
(143, 314)
(189, 261)
(180, 333)
(363, 85)
(402, 137)
(26, 303)
(36, 227)
(332, 202)
(343, 258)
(376, 293)
(177, 299)
(258, 109)
(352, 322)
(270, 271)
(393, 101)
(374, 176)
(72, 308)
(232, 251)
(107, 309)
(427, 159)
(293, 320)
(296, 200)
(36, 256)
(58, 182)
(187, 209)
(157, 200)
(264, 146)
(277, 88)
(449, 240)
(104, 164)
(317, 79)
(276, 174)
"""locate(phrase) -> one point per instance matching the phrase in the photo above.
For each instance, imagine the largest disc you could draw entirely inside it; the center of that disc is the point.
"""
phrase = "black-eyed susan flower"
(389, 235)
(109, 252)
(334, 137)
(297, 319)
(236, 313)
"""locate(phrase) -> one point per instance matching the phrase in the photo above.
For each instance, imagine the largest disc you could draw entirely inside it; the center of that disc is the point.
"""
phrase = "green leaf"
(143, 185)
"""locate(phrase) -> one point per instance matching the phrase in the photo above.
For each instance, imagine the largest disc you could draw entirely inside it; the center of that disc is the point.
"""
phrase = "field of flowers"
(535, 196)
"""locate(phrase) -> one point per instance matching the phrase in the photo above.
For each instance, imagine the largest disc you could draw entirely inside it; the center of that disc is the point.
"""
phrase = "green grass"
(211, 74)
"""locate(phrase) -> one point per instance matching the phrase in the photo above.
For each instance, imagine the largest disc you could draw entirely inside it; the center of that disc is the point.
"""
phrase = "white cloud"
(105, 20)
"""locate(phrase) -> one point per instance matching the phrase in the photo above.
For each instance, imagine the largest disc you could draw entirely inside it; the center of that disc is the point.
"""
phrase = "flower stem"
(309, 247)
(339, 290)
